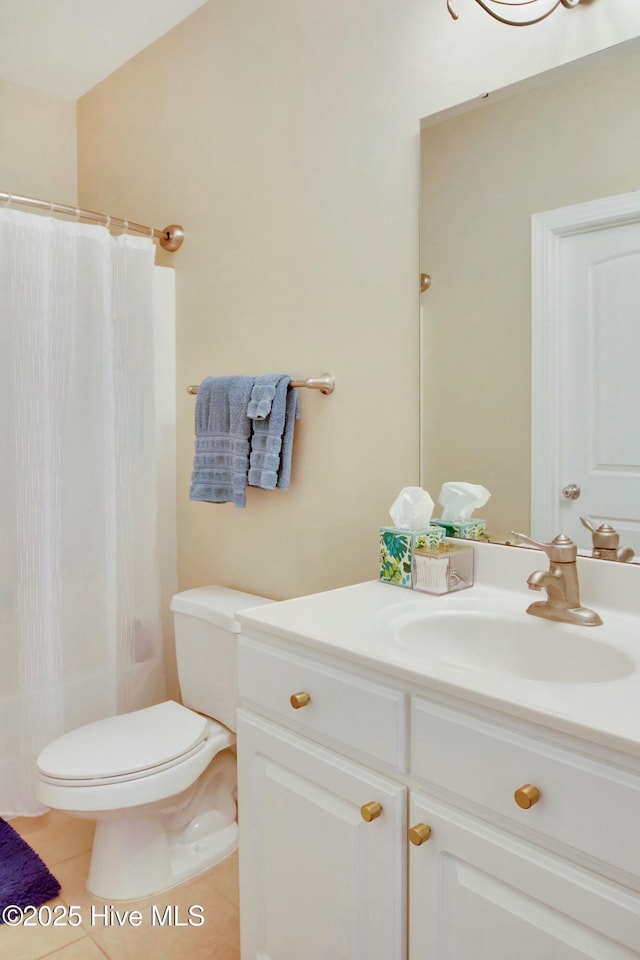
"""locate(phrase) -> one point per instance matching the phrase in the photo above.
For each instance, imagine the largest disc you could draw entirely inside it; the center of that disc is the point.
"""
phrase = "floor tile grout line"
(72, 856)
(226, 896)
(59, 949)
(98, 947)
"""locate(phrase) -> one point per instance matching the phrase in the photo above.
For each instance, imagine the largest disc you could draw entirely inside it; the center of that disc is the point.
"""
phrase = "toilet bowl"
(160, 781)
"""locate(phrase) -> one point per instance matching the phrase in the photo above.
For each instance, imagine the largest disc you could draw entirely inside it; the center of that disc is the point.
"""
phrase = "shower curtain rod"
(170, 238)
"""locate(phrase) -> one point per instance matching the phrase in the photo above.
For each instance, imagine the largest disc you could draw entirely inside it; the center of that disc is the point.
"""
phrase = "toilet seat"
(127, 746)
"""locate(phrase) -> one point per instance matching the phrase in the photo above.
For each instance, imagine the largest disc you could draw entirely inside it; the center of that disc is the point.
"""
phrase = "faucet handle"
(523, 538)
(606, 541)
(604, 537)
(561, 549)
(588, 523)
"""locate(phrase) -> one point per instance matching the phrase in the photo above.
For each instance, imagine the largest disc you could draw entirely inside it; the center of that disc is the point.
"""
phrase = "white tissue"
(412, 509)
(459, 500)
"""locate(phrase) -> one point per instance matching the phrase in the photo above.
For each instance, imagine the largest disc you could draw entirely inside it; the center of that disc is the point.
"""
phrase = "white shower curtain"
(80, 625)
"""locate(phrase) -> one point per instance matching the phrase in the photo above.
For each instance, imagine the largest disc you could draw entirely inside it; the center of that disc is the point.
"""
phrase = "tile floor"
(64, 843)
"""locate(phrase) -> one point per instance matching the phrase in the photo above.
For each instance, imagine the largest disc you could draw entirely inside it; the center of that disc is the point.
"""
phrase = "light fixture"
(538, 10)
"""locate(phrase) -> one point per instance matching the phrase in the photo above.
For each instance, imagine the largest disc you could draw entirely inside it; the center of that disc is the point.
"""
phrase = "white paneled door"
(586, 369)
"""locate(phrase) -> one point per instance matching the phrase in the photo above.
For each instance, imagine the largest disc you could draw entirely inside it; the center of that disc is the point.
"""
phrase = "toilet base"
(141, 851)
(153, 861)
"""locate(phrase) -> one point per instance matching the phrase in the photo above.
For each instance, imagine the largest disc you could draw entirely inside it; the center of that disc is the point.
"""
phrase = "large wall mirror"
(571, 137)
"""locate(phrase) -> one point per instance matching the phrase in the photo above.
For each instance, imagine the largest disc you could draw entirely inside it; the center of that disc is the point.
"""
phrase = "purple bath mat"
(24, 879)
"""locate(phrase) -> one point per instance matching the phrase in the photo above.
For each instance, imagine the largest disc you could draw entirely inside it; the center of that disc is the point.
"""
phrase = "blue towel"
(223, 434)
(264, 390)
(292, 413)
(272, 440)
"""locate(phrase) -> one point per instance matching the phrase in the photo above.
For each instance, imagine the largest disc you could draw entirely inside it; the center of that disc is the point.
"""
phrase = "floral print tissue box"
(464, 529)
(396, 552)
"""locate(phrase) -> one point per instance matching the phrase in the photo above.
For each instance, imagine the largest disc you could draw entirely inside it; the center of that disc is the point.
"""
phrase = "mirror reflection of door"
(565, 139)
(586, 369)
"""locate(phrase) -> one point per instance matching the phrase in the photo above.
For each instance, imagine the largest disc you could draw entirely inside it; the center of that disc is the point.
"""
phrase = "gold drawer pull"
(526, 796)
(419, 834)
(298, 700)
(371, 811)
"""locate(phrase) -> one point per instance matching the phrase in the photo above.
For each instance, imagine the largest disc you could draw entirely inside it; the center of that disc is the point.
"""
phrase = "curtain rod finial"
(173, 237)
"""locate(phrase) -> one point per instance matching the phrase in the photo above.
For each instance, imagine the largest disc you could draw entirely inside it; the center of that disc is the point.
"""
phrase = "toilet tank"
(206, 632)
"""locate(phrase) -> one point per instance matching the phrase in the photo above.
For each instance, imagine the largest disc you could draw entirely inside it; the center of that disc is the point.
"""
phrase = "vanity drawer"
(583, 803)
(357, 713)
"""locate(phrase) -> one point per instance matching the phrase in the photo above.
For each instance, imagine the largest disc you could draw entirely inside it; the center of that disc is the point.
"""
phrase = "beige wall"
(483, 175)
(285, 137)
(273, 138)
(37, 144)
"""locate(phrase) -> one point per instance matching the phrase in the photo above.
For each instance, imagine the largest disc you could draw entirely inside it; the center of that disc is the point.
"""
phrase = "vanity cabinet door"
(477, 892)
(317, 880)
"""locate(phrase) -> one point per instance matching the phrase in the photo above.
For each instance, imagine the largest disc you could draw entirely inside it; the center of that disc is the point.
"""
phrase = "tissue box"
(463, 529)
(447, 568)
(396, 552)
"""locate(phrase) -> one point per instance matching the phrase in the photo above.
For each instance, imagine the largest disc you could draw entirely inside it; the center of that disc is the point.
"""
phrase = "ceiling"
(66, 47)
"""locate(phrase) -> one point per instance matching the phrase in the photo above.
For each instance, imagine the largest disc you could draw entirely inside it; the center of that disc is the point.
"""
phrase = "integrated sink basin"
(482, 648)
(510, 645)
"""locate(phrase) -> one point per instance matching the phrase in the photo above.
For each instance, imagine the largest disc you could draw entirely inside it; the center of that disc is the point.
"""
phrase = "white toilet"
(161, 781)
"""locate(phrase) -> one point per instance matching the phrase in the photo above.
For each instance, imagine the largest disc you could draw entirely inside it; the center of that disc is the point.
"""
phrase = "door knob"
(419, 834)
(298, 700)
(371, 811)
(526, 796)
(571, 491)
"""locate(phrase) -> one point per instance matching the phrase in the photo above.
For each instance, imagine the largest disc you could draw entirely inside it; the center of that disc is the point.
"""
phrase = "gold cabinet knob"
(526, 796)
(419, 834)
(371, 811)
(298, 700)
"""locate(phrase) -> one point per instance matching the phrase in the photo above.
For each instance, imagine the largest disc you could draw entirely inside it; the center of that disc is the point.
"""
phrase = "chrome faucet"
(561, 583)
(605, 542)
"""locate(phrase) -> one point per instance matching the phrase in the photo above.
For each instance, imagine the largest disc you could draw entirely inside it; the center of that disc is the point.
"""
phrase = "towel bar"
(325, 383)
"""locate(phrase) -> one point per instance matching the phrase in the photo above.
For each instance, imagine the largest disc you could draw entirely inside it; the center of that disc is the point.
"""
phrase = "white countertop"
(359, 624)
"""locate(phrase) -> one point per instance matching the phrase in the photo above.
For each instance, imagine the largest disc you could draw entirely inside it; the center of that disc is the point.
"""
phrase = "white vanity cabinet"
(317, 880)
(492, 881)
(479, 892)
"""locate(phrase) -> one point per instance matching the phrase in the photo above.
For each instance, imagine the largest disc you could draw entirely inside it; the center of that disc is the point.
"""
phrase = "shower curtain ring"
(77, 217)
(107, 220)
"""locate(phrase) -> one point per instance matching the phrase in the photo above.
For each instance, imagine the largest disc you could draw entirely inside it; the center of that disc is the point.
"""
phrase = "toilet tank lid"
(218, 605)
